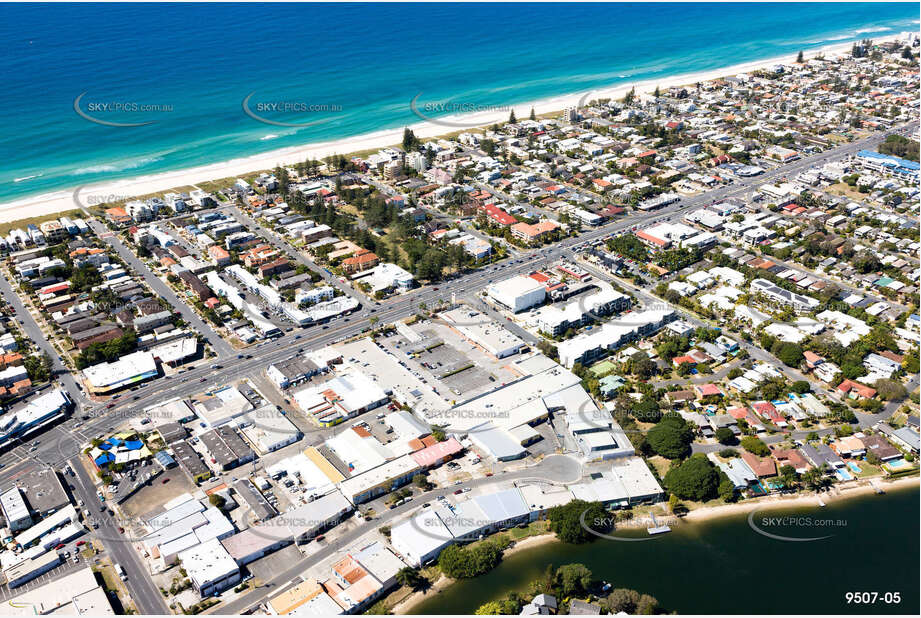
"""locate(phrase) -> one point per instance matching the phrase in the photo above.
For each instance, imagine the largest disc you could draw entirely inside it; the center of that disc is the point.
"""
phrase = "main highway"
(62, 443)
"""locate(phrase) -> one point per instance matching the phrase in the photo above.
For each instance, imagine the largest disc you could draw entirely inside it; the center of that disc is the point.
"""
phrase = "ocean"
(205, 83)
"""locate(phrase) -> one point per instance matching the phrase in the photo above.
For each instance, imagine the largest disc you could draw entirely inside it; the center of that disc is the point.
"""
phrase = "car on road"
(164, 481)
(203, 380)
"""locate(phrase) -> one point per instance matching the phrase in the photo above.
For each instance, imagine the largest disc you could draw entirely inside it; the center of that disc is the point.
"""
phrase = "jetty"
(656, 528)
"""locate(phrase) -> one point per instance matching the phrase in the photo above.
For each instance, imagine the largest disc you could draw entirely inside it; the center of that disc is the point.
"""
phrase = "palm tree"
(409, 577)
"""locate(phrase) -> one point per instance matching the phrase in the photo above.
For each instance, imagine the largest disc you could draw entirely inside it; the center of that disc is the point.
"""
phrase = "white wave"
(876, 29)
(268, 137)
(116, 167)
(25, 178)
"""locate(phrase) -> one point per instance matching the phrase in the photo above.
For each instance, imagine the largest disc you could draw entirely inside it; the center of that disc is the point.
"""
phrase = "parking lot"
(67, 566)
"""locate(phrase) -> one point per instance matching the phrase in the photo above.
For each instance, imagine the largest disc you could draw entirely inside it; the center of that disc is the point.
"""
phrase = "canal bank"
(745, 562)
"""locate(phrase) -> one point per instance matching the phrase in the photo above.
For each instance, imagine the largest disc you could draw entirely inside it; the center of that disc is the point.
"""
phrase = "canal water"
(723, 566)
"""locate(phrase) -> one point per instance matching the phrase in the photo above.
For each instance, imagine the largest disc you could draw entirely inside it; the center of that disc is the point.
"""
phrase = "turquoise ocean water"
(363, 63)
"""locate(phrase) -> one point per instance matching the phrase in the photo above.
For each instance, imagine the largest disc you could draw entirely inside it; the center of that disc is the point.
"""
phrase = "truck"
(121, 572)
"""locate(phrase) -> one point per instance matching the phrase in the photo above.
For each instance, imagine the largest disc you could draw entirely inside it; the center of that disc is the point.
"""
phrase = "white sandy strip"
(59, 201)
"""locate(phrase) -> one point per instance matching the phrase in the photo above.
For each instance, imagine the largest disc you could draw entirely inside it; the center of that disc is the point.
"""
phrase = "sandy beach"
(60, 201)
(797, 501)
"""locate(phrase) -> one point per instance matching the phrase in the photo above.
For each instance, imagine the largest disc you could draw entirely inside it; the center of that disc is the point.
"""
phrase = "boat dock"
(656, 528)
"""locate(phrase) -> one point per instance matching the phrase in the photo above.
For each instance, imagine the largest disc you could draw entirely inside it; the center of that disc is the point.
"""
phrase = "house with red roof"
(791, 457)
(763, 467)
(856, 390)
(707, 390)
(813, 360)
(768, 412)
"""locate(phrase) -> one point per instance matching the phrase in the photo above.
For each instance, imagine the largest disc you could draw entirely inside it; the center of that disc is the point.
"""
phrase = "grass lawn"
(868, 469)
(660, 464)
(846, 190)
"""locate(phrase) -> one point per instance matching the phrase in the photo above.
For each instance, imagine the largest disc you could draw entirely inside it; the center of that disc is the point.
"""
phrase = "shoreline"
(710, 513)
(405, 606)
(62, 200)
(701, 515)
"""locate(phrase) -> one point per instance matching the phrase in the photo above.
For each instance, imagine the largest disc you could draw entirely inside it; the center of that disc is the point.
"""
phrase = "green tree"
(695, 478)
(622, 600)
(567, 520)
(409, 577)
(671, 437)
(724, 435)
(464, 562)
(574, 579)
(755, 446)
(799, 57)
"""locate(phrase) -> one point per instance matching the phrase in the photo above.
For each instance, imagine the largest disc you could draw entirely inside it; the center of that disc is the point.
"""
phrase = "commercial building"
(210, 568)
(15, 512)
(341, 398)
(29, 569)
(517, 293)
(380, 480)
(483, 331)
(127, 371)
(226, 448)
(268, 430)
(76, 593)
(291, 371)
(308, 598)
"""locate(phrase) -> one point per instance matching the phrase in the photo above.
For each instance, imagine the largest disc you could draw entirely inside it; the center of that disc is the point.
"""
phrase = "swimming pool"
(843, 474)
(896, 463)
(853, 466)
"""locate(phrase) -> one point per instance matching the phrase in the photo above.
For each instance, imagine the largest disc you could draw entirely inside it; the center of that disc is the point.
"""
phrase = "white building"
(210, 568)
(517, 293)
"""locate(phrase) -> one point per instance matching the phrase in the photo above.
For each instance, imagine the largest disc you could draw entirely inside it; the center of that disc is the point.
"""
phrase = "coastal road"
(552, 469)
(218, 344)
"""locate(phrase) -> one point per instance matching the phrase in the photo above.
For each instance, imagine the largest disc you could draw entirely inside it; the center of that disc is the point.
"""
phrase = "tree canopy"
(695, 478)
(671, 437)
